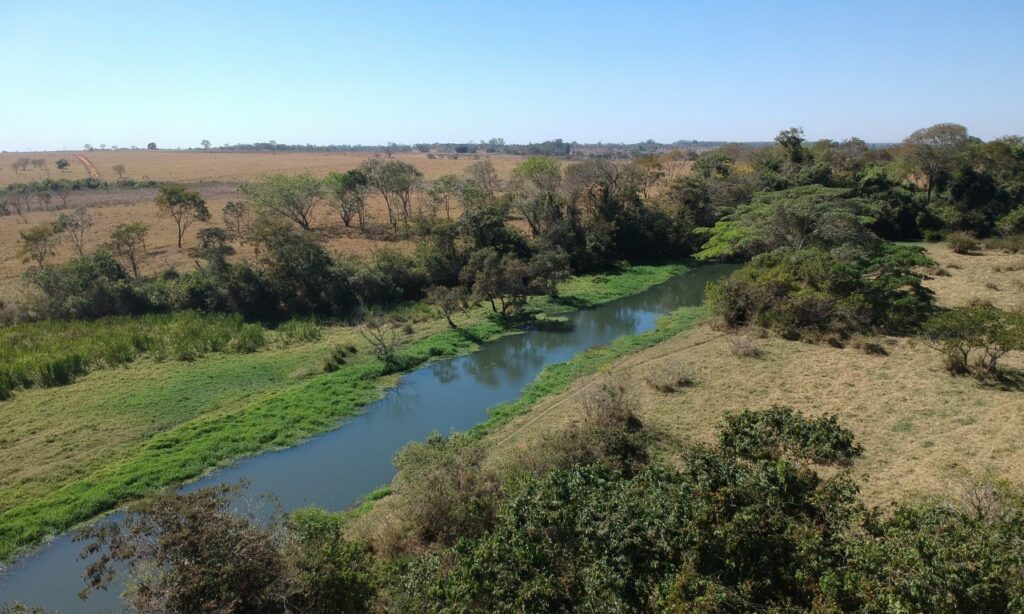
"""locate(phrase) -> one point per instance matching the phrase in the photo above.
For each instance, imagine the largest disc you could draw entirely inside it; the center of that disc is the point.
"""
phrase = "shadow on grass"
(1008, 380)
(572, 302)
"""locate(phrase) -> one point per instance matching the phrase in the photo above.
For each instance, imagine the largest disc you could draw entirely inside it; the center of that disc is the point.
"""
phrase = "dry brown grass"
(224, 170)
(924, 432)
(987, 275)
(195, 166)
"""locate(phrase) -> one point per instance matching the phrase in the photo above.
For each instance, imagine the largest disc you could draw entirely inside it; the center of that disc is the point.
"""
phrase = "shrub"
(780, 430)
(816, 294)
(666, 378)
(978, 330)
(961, 242)
(335, 360)
(745, 346)
(1010, 244)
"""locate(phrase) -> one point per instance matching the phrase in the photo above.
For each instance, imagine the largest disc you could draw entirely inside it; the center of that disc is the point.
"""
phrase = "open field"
(234, 167)
(924, 431)
(124, 432)
(216, 176)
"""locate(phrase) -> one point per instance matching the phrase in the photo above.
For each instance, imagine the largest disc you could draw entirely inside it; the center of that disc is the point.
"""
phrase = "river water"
(335, 469)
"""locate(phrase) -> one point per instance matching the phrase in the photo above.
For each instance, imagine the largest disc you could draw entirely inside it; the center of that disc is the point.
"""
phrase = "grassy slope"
(924, 432)
(124, 433)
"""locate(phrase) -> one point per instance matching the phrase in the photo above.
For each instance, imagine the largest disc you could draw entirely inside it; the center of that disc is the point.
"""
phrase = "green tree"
(183, 205)
(935, 151)
(443, 191)
(348, 195)
(794, 218)
(978, 330)
(62, 165)
(447, 301)
(38, 243)
(291, 197)
(534, 187)
(128, 242)
(396, 181)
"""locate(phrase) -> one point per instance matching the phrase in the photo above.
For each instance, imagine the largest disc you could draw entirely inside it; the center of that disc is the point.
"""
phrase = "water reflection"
(334, 469)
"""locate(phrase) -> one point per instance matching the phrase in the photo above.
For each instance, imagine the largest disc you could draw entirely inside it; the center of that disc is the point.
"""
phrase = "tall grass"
(54, 353)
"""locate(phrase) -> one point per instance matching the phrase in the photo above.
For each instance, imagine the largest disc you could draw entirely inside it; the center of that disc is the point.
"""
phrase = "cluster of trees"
(814, 220)
(23, 197)
(589, 522)
(21, 164)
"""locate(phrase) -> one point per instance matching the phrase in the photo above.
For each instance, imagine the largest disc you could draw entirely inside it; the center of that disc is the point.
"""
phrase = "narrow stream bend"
(335, 469)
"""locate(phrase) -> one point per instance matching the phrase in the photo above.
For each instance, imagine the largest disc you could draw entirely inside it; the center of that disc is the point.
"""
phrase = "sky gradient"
(322, 72)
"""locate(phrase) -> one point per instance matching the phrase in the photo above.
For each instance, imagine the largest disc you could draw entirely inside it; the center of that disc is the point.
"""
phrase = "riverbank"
(925, 433)
(125, 433)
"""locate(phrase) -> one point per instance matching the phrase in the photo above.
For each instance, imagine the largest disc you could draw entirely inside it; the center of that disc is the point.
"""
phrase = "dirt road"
(89, 166)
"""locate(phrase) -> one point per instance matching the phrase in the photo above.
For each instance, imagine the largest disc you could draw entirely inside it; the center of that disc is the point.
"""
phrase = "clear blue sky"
(176, 72)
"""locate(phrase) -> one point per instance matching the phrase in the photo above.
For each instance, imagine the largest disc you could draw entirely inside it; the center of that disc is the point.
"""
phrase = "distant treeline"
(554, 147)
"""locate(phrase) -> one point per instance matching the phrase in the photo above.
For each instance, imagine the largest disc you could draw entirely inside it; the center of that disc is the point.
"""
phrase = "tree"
(382, 334)
(213, 248)
(62, 165)
(291, 197)
(38, 243)
(484, 176)
(73, 226)
(982, 329)
(185, 206)
(348, 195)
(792, 142)
(21, 164)
(396, 181)
(443, 190)
(534, 186)
(119, 169)
(128, 242)
(238, 221)
(151, 146)
(793, 218)
(208, 557)
(448, 301)
(38, 163)
(205, 143)
(935, 151)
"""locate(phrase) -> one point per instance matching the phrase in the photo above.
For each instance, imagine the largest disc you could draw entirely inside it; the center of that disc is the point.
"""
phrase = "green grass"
(55, 352)
(558, 377)
(78, 451)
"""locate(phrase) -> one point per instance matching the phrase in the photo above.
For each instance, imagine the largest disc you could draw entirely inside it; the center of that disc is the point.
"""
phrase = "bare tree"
(382, 334)
(119, 169)
(73, 227)
(447, 301)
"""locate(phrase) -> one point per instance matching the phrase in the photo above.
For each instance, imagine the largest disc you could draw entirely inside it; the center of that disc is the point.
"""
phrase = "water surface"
(335, 469)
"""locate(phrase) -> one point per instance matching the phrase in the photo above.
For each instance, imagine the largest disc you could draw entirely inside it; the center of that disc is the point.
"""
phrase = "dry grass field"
(924, 431)
(213, 166)
(216, 176)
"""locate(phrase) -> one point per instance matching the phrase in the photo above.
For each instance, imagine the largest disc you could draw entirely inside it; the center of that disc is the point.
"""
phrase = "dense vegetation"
(589, 522)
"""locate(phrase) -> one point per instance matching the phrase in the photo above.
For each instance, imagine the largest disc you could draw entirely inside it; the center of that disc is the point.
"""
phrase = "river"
(335, 469)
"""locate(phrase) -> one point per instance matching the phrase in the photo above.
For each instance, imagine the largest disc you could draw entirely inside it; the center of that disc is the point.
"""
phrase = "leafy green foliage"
(813, 292)
(781, 431)
(979, 330)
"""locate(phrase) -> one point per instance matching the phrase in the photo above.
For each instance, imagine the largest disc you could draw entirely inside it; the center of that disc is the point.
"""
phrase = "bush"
(780, 430)
(979, 330)
(336, 359)
(961, 242)
(813, 294)
(666, 378)
(745, 346)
